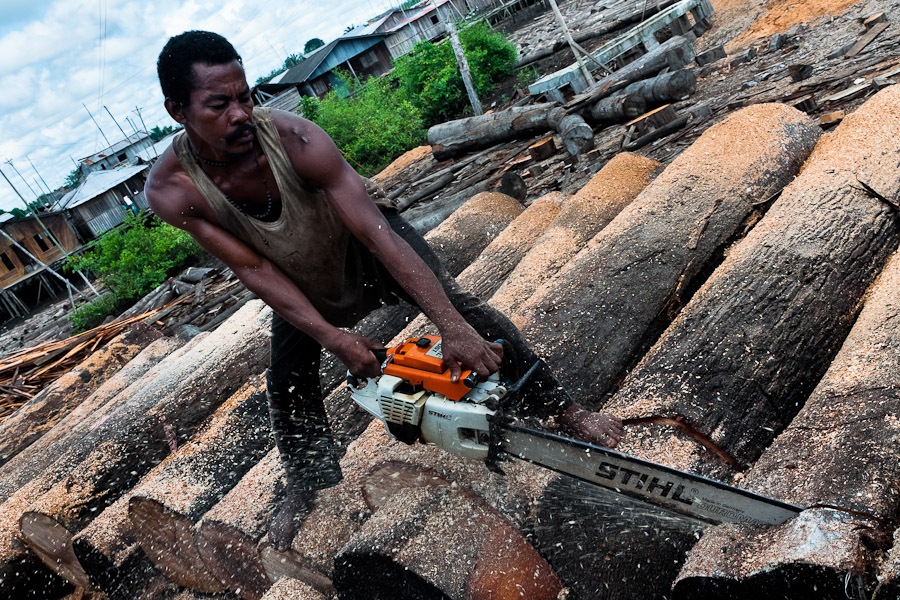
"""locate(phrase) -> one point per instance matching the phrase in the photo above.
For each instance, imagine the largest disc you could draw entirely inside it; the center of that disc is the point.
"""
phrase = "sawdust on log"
(292, 589)
(405, 159)
(591, 209)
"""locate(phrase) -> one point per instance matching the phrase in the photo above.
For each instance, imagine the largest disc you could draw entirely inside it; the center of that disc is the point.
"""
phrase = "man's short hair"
(175, 66)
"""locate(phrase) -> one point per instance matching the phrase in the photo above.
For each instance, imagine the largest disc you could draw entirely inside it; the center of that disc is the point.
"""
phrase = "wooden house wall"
(343, 52)
(28, 232)
(11, 255)
(373, 62)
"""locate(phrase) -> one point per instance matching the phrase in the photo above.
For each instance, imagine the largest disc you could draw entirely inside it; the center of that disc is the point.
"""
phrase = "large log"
(597, 313)
(158, 514)
(771, 317)
(113, 456)
(666, 87)
(619, 108)
(889, 574)
(292, 589)
(590, 210)
(674, 53)
(840, 450)
(472, 133)
(438, 542)
(53, 403)
(104, 401)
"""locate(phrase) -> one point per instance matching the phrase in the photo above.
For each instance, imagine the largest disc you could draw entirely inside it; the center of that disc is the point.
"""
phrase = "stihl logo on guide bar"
(639, 481)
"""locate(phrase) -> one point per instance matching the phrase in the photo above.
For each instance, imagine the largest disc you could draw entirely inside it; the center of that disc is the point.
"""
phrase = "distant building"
(96, 206)
(124, 151)
(29, 237)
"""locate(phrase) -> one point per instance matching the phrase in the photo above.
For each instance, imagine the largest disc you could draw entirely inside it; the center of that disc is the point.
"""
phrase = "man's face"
(220, 111)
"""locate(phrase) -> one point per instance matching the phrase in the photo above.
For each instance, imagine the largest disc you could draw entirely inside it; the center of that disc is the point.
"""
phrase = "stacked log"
(95, 409)
(619, 108)
(739, 361)
(577, 136)
(55, 401)
(614, 295)
(158, 514)
(437, 542)
(666, 87)
(112, 457)
(582, 217)
(841, 450)
(454, 138)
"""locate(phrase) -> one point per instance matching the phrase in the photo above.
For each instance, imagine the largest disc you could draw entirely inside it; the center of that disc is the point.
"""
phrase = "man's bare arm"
(317, 159)
(175, 203)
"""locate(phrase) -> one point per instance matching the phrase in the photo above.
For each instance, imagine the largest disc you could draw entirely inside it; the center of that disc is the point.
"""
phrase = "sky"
(57, 55)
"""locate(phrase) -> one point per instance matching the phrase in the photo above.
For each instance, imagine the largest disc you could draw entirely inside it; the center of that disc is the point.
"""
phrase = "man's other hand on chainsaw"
(464, 349)
(355, 351)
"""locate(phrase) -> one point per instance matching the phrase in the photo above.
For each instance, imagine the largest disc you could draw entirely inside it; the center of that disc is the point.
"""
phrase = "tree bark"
(454, 138)
(889, 575)
(594, 206)
(619, 108)
(438, 542)
(771, 317)
(113, 456)
(104, 401)
(612, 297)
(54, 402)
(674, 53)
(666, 87)
(840, 450)
(159, 513)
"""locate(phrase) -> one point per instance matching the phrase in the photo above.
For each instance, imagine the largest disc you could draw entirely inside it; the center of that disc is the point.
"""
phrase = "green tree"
(349, 29)
(293, 60)
(430, 76)
(73, 178)
(372, 125)
(158, 133)
(410, 3)
(312, 45)
(130, 261)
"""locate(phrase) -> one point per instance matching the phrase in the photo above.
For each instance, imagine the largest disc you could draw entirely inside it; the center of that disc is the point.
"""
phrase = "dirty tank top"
(308, 241)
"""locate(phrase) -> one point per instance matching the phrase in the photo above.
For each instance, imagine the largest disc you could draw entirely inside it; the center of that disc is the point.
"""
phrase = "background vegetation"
(375, 122)
(130, 261)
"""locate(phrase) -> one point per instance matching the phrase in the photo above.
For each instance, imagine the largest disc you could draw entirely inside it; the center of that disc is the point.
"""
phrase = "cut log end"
(167, 539)
(52, 543)
(232, 557)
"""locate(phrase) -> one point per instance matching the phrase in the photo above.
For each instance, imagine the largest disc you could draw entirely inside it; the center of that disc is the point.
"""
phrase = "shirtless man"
(269, 194)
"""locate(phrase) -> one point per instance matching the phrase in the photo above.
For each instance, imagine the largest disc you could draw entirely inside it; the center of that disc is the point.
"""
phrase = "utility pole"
(463, 63)
(49, 236)
(116, 122)
(28, 158)
(575, 47)
(147, 131)
(97, 124)
(130, 122)
(10, 163)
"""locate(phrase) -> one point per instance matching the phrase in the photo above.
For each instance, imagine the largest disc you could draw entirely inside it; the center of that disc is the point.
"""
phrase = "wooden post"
(589, 79)
(463, 63)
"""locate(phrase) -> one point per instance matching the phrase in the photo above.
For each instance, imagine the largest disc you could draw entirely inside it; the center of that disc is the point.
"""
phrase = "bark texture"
(743, 356)
(106, 399)
(115, 454)
(51, 405)
(581, 218)
(840, 450)
(595, 315)
(159, 513)
(454, 138)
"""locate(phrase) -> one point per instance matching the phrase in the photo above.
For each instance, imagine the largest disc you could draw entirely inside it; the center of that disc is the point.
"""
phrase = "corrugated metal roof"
(96, 183)
(129, 141)
(416, 16)
(306, 69)
(157, 149)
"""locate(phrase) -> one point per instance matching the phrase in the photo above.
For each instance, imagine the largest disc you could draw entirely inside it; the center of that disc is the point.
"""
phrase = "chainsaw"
(417, 401)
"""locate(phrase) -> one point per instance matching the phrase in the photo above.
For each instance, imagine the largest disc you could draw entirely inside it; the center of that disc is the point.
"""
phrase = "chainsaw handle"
(380, 354)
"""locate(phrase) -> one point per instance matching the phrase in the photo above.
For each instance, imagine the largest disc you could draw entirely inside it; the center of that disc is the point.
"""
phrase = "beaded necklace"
(263, 216)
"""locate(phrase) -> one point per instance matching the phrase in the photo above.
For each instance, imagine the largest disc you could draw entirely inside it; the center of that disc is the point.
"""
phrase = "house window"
(434, 20)
(6, 262)
(41, 242)
(368, 59)
(122, 157)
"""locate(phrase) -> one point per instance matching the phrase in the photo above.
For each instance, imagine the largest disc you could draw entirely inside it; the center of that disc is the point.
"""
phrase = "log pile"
(638, 269)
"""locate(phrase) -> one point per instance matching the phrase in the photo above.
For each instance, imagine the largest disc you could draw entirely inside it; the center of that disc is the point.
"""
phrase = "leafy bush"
(130, 261)
(88, 316)
(430, 78)
(372, 125)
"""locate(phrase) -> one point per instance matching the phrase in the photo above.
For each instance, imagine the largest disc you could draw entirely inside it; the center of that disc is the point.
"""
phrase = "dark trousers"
(296, 406)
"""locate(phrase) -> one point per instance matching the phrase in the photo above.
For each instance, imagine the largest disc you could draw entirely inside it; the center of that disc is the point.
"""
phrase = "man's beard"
(232, 137)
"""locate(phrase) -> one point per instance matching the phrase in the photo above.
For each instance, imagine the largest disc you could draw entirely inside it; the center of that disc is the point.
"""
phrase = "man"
(269, 194)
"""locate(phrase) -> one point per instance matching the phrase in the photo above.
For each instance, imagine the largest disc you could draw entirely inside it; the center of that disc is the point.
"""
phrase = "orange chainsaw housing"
(419, 362)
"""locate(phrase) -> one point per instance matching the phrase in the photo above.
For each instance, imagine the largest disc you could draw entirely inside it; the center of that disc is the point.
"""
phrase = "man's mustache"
(239, 132)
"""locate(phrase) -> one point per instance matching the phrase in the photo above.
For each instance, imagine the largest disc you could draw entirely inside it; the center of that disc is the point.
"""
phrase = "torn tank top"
(308, 241)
